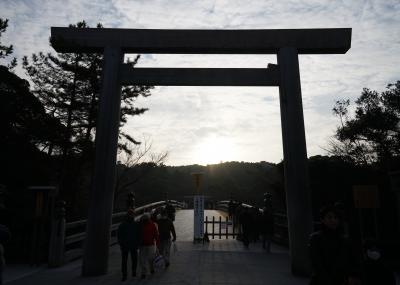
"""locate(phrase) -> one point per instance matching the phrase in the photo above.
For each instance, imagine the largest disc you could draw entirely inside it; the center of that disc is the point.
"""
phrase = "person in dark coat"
(255, 229)
(236, 220)
(333, 260)
(170, 211)
(165, 229)
(246, 221)
(375, 272)
(267, 228)
(129, 240)
(231, 208)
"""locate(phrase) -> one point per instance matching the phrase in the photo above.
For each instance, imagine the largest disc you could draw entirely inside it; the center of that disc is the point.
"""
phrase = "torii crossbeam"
(286, 43)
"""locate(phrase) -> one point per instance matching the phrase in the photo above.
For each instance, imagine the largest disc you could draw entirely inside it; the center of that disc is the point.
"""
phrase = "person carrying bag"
(166, 229)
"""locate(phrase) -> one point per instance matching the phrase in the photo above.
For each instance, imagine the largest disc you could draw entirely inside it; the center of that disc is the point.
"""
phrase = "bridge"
(221, 261)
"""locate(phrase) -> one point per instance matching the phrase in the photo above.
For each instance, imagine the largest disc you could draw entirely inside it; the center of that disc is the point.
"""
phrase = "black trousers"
(246, 235)
(124, 266)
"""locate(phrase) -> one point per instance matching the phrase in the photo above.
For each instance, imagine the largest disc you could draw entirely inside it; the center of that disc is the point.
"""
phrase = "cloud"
(180, 117)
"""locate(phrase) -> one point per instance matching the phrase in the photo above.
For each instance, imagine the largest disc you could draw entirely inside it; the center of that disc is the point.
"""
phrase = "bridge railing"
(281, 233)
(67, 239)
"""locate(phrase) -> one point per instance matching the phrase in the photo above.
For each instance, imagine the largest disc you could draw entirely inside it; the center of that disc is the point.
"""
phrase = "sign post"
(198, 209)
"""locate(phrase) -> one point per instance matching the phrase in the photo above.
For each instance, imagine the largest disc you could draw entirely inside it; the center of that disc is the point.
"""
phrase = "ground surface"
(219, 262)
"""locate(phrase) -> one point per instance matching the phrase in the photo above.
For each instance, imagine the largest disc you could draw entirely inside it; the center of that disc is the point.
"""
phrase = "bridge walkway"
(219, 262)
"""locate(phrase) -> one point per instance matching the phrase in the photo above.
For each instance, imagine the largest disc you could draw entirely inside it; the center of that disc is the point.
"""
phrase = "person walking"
(170, 211)
(128, 235)
(231, 209)
(166, 229)
(332, 259)
(246, 222)
(267, 228)
(149, 240)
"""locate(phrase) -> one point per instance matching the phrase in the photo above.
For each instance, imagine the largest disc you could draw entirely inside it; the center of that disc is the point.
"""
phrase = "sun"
(213, 150)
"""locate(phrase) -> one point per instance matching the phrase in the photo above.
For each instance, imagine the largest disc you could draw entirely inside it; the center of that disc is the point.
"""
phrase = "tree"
(135, 164)
(22, 116)
(6, 50)
(25, 129)
(68, 85)
(373, 135)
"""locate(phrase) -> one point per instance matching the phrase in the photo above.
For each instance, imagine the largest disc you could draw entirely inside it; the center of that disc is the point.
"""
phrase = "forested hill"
(243, 181)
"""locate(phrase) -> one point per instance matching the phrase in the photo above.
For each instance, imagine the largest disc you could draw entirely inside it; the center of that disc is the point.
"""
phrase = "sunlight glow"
(213, 150)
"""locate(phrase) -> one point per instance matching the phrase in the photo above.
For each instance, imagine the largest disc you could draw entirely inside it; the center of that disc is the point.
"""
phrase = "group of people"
(253, 223)
(335, 261)
(146, 238)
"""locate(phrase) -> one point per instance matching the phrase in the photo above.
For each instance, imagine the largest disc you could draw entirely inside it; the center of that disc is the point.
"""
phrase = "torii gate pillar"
(298, 197)
(96, 247)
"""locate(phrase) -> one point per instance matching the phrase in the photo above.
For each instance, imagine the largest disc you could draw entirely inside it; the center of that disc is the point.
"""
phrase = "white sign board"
(198, 216)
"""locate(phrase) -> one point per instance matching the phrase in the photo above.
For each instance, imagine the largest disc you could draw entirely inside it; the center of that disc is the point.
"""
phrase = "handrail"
(79, 235)
(138, 210)
(281, 232)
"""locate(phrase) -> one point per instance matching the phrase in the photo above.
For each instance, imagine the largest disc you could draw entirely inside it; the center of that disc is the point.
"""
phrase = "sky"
(206, 125)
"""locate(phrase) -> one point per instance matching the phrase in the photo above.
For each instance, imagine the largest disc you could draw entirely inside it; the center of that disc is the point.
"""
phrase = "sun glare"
(213, 150)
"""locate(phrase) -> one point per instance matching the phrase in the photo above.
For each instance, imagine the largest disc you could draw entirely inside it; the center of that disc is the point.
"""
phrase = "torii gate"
(286, 43)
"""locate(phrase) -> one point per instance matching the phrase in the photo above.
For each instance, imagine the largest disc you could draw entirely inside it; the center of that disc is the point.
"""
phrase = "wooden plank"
(200, 76)
(306, 41)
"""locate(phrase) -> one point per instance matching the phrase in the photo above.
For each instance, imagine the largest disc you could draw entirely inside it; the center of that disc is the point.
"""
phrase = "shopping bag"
(159, 261)
(175, 247)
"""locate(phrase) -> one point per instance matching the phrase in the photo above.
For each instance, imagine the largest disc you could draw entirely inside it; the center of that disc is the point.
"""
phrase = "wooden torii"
(114, 43)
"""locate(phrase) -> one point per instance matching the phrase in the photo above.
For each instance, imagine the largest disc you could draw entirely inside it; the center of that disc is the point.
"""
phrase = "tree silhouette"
(136, 165)
(68, 84)
(23, 117)
(26, 130)
(373, 135)
(5, 51)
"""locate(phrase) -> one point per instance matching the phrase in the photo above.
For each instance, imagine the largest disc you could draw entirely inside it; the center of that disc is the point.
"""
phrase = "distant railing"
(228, 225)
(67, 239)
(281, 233)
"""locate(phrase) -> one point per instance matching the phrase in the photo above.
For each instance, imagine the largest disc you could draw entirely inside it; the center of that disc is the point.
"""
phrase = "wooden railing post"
(207, 225)
(233, 228)
(220, 227)
(213, 227)
(56, 248)
(226, 227)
